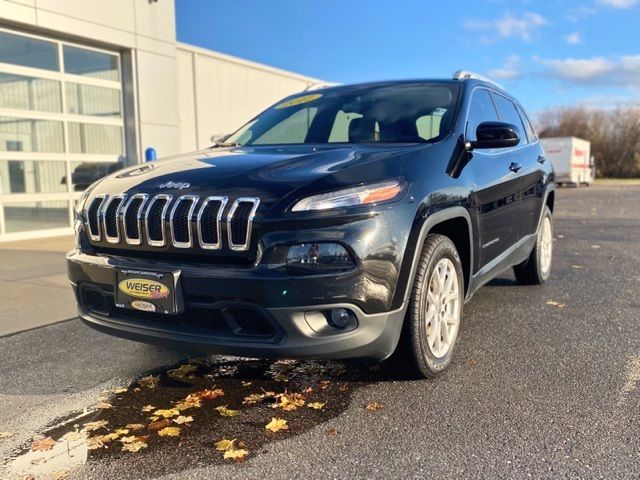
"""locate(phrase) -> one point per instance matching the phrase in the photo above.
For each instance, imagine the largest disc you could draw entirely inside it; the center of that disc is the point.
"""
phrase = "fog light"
(339, 318)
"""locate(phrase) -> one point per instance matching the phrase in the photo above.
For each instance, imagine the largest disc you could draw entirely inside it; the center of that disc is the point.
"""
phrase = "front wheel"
(433, 320)
(536, 269)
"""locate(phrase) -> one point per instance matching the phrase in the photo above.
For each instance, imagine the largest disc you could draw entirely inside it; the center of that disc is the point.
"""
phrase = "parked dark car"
(343, 222)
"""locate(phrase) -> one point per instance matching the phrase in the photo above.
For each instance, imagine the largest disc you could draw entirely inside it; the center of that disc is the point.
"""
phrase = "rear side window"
(481, 110)
(509, 114)
(531, 133)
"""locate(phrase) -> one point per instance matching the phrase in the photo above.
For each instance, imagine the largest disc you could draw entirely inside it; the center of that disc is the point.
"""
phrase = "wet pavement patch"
(193, 414)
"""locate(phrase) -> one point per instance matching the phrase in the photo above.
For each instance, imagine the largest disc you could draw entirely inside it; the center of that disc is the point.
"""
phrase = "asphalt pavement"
(543, 385)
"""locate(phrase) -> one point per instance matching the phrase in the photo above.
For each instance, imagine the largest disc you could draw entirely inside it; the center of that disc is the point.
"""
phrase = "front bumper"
(235, 311)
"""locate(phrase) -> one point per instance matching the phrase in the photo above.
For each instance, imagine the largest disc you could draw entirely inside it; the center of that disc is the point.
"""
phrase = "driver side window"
(481, 110)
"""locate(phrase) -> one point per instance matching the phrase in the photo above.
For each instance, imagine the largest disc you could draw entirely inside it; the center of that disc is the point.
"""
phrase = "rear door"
(495, 185)
(528, 177)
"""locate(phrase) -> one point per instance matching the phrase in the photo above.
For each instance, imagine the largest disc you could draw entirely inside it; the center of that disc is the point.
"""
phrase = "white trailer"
(571, 160)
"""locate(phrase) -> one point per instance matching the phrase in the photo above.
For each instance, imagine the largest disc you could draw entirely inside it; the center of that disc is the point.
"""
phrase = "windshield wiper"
(225, 144)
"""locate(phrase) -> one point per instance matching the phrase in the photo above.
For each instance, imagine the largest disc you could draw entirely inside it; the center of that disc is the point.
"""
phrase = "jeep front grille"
(183, 221)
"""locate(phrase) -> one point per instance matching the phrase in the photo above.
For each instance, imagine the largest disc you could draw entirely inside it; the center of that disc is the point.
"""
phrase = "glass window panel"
(94, 138)
(28, 52)
(25, 216)
(84, 174)
(90, 100)
(29, 93)
(31, 176)
(89, 63)
(29, 135)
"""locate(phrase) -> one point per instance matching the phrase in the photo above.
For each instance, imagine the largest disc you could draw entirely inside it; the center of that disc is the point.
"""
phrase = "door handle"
(542, 159)
(515, 167)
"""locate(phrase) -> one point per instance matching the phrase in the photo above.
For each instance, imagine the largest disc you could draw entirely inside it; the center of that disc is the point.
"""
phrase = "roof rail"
(464, 74)
(320, 86)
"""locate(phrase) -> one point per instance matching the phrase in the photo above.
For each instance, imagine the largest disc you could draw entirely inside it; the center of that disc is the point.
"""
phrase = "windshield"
(407, 113)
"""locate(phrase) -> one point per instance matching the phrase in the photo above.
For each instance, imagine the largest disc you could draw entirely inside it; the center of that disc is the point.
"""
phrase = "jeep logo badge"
(176, 185)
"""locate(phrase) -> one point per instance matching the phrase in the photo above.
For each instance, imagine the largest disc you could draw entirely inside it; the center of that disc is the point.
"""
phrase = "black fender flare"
(428, 224)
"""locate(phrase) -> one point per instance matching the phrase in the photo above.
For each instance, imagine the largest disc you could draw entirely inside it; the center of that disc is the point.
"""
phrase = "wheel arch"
(454, 223)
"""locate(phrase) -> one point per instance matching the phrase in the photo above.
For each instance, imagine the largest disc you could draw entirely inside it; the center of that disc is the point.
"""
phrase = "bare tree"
(614, 136)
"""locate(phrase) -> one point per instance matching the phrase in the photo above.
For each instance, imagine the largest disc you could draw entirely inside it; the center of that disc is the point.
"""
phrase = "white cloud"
(574, 38)
(618, 3)
(510, 70)
(523, 27)
(622, 71)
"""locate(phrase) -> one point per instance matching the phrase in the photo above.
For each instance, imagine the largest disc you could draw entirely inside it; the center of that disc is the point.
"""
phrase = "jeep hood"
(270, 173)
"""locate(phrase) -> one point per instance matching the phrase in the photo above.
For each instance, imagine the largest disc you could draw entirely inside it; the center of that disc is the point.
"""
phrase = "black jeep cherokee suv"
(344, 222)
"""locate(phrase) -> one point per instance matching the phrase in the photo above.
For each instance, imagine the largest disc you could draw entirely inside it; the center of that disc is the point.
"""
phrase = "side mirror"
(495, 135)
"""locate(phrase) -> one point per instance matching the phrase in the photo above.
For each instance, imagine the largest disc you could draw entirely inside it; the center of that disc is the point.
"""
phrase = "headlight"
(363, 195)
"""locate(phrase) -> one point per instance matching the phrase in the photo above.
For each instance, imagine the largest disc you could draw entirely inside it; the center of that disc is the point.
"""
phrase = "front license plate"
(148, 291)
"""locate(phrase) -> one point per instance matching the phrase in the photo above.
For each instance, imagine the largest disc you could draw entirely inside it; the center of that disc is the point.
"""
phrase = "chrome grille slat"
(161, 220)
(173, 221)
(204, 222)
(109, 215)
(244, 235)
(92, 216)
(132, 213)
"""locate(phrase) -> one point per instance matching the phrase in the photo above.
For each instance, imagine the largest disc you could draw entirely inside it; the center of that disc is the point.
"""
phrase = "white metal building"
(87, 85)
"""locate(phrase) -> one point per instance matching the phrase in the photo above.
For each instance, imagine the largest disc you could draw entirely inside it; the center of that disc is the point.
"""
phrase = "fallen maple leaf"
(149, 381)
(134, 426)
(189, 402)
(104, 405)
(235, 454)
(135, 445)
(332, 431)
(289, 402)
(253, 398)
(7, 434)
(227, 412)
(182, 420)
(61, 474)
(277, 424)
(92, 426)
(224, 444)
(43, 444)
(169, 432)
(209, 394)
(558, 305)
(159, 424)
(182, 371)
(316, 405)
(118, 390)
(470, 362)
(374, 406)
(148, 408)
(121, 431)
(166, 413)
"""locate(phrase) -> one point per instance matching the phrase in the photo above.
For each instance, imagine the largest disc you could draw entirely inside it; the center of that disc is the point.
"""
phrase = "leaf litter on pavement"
(185, 413)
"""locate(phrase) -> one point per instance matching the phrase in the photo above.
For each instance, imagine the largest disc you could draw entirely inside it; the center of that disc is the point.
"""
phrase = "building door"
(61, 128)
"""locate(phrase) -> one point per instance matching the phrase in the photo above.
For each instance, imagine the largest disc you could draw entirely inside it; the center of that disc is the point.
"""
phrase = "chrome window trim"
(98, 236)
(194, 201)
(223, 203)
(103, 217)
(163, 214)
(123, 218)
(241, 247)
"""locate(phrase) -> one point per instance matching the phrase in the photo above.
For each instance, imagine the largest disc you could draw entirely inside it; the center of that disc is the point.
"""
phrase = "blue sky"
(559, 52)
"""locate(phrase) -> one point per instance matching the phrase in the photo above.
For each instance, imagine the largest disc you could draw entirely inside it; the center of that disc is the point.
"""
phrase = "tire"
(417, 355)
(536, 269)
